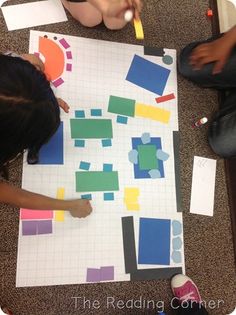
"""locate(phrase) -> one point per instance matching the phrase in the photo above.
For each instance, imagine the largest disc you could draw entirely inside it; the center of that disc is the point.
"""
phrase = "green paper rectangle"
(96, 181)
(147, 157)
(91, 128)
(121, 106)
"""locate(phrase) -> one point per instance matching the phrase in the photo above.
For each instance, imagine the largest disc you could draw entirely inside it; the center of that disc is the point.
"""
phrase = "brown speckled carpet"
(208, 241)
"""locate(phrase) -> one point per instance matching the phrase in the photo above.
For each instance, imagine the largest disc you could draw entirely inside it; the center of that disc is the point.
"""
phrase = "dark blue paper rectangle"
(138, 173)
(52, 152)
(154, 241)
(148, 75)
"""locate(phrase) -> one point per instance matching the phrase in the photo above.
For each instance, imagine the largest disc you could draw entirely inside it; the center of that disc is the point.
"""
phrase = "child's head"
(29, 112)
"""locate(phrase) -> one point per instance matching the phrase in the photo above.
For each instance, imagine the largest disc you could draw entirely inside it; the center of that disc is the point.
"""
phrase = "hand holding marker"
(134, 8)
(133, 14)
(128, 16)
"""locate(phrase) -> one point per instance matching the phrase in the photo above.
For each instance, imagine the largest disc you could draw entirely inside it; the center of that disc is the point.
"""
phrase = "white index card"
(233, 1)
(33, 14)
(203, 186)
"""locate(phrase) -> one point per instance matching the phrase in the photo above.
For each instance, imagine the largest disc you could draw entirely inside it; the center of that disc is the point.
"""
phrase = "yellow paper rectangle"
(59, 214)
(151, 112)
(159, 114)
(141, 110)
(131, 199)
(131, 191)
(138, 29)
(61, 193)
(133, 207)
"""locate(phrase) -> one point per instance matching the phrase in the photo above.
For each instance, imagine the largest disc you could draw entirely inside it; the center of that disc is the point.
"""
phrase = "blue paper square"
(79, 143)
(154, 241)
(107, 167)
(79, 113)
(84, 165)
(53, 151)
(144, 173)
(108, 196)
(106, 143)
(87, 196)
(148, 75)
(122, 120)
(96, 112)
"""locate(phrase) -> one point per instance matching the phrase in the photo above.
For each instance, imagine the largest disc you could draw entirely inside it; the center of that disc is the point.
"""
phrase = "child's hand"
(117, 8)
(36, 61)
(63, 105)
(217, 51)
(81, 208)
(137, 6)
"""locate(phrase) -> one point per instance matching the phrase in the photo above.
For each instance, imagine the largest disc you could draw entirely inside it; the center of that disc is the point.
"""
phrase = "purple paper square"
(69, 55)
(107, 273)
(64, 43)
(58, 82)
(45, 227)
(93, 275)
(29, 227)
(68, 67)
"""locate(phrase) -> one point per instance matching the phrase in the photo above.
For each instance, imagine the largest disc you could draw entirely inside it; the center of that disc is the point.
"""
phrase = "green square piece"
(147, 157)
(121, 106)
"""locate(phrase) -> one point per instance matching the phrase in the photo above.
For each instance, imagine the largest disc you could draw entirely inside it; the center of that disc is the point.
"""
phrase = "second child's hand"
(136, 7)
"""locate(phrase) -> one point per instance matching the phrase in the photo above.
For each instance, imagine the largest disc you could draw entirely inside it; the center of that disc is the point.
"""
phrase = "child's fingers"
(219, 65)
(63, 105)
(136, 15)
(130, 3)
(138, 5)
(198, 54)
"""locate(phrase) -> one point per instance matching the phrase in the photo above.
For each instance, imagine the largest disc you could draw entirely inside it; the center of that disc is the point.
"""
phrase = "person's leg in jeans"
(222, 131)
(187, 300)
(226, 79)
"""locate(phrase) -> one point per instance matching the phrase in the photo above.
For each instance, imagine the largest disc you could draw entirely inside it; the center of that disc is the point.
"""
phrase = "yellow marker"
(59, 214)
(138, 29)
(151, 112)
(133, 206)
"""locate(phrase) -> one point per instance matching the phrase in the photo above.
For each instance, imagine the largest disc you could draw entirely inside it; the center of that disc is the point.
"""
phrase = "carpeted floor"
(208, 241)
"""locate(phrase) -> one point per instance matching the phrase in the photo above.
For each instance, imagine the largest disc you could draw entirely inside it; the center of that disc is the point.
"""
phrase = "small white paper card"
(33, 14)
(1, 3)
(203, 186)
(233, 1)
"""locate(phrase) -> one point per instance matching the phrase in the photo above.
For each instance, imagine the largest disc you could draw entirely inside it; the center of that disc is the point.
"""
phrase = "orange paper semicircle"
(54, 58)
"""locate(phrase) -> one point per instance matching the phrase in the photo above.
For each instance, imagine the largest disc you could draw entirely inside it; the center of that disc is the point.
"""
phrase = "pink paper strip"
(69, 55)
(68, 67)
(26, 214)
(64, 43)
(58, 82)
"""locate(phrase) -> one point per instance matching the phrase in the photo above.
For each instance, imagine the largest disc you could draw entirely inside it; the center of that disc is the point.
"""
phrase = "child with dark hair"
(29, 116)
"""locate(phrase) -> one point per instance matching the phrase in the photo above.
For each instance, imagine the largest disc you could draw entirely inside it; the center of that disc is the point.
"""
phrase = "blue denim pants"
(222, 130)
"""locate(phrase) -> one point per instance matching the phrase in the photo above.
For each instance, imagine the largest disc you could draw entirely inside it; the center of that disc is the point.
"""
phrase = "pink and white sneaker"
(184, 289)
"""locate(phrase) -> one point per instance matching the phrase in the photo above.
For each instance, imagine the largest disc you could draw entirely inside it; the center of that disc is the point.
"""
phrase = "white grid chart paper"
(99, 70)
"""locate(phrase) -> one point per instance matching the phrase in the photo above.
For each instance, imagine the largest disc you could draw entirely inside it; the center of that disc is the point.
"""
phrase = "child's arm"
(28, 200)
(217, 51)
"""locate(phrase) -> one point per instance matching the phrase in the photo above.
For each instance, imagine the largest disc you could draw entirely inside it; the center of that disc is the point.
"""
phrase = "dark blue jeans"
(222, 130)
(192, 309)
